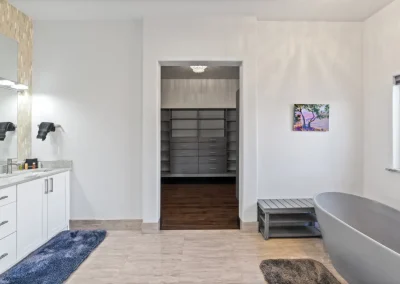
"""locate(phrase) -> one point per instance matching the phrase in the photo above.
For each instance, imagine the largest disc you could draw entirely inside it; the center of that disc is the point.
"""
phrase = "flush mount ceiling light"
(198, 69)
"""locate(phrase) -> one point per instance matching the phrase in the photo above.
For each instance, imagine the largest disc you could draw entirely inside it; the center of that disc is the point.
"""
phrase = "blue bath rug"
(55, 261)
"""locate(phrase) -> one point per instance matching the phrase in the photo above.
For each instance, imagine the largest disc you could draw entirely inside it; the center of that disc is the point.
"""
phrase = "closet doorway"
(199, 146)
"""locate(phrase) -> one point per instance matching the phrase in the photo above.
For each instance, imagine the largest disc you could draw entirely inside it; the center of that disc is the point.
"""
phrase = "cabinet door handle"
(213, 169)
(212, 152)
(51, 185)
(3, 256)
(3, 223)
(212, 140)
(212, 159)
(3, 197)
(46, 186)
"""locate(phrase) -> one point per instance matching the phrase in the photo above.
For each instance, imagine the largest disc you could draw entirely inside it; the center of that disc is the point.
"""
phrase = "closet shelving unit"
(198, 142)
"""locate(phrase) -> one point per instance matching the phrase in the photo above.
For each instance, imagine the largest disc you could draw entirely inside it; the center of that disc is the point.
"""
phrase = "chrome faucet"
(10, 164)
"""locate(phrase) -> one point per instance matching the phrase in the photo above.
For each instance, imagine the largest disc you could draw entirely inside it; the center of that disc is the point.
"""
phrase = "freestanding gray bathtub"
(362, 237)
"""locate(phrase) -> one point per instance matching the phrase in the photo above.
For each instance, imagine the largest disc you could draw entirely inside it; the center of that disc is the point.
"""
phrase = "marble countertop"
(23, 176)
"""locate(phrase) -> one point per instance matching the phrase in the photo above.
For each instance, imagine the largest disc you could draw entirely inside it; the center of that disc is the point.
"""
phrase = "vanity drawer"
(8, 252)
(184, 168)
(216, 152)
(213, 160)
(212, 169)
(212, 146)
(184, 160)
(184, 153)
(8, 219)
(8, 195)
(184, 146)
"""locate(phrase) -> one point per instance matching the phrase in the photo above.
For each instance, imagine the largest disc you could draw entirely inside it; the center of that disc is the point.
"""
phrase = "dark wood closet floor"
(199, 207)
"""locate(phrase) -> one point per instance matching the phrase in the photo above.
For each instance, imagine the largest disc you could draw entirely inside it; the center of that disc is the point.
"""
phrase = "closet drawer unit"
(184, 114)
(184, 124)
(8, 195)
(184, 160)
(211, 114)
(213, 160)
(212, 146)
(184, 153)
(8, 252)
(8, 219)
(212, 139)
(216, 152)
(184, 133)
(212, 133)
(184, 168)
(184, 146)
(212, 124)
(212, 168)
(184, 140)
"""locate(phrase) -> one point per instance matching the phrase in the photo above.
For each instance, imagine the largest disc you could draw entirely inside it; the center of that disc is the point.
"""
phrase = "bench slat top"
(271, 204)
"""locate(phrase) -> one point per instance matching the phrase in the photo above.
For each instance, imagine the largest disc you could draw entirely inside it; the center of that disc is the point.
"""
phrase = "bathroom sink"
(24, 174)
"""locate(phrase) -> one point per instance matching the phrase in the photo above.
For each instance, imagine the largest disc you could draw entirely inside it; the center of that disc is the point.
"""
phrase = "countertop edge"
(42, 175)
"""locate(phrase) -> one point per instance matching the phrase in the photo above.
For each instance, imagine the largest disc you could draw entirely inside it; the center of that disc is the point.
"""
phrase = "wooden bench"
(287, 218)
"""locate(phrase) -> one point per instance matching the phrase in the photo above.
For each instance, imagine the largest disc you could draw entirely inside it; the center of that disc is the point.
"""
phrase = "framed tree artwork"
(311, 117)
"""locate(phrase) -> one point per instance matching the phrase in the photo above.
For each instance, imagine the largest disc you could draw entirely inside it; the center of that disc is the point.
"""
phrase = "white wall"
(87, 77)
(198, 39)
(311, 62)
(381, 62)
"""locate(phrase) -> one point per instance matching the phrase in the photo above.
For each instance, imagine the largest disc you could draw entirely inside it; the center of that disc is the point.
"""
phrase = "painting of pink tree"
(313, 117)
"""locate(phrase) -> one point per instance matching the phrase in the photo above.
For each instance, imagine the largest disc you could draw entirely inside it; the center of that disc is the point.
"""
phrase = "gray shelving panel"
(181, 133)
(212, 114)
(165, 138)
(199, 142)
(184, 114)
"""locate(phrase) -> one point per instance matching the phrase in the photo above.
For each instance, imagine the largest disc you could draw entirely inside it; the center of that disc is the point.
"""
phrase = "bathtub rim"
(347, 225)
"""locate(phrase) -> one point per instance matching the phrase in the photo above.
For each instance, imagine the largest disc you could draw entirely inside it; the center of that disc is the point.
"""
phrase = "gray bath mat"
(296, 271)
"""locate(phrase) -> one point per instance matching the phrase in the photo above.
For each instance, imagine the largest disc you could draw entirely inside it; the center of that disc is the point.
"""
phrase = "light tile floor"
(190, 257)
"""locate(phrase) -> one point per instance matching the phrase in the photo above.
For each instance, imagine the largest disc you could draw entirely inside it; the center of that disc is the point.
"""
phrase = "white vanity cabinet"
(31, 217)
(42, 211)
(8, 216)
(56, 205)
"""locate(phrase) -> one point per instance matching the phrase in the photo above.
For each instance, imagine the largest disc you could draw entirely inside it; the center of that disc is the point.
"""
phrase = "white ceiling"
(312, 10)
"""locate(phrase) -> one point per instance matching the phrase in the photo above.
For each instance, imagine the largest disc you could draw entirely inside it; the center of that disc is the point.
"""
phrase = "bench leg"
(266, 227)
